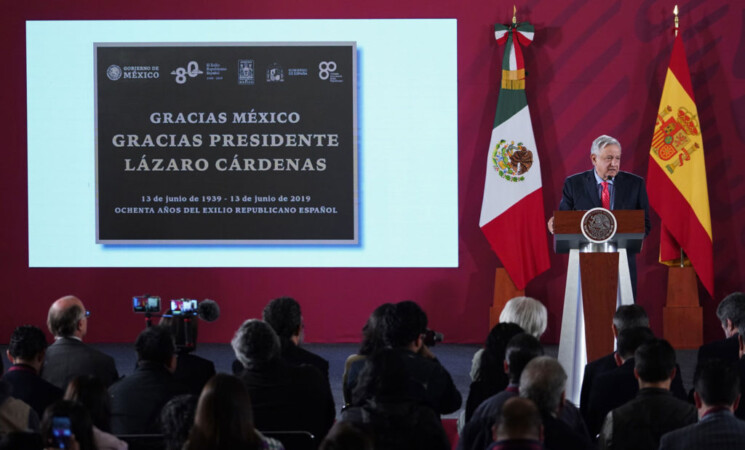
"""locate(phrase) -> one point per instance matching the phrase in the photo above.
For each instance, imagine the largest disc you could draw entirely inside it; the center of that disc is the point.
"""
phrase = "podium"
(598, 281)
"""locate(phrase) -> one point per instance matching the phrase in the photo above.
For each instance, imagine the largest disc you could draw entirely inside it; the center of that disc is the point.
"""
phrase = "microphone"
(610, 178)
(208, 310)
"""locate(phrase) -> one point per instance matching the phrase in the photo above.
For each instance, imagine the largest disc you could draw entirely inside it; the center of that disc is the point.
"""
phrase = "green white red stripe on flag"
(512, 217)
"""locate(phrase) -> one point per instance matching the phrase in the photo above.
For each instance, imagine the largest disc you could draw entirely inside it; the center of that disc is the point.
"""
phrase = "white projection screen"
(405, 173)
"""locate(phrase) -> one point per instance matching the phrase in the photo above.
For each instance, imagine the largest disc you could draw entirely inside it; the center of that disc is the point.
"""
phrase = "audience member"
(615, 387)
(404, 331)
(26, 354)
(16, 416)
(716, 393)
(372, 341)
(640, 423)
(520, 350)
(518, 426)
(176, 420)
(731, 314)
(224, 419)
(528, 313)
(191, 370)
(626, 316)
(90, 392)
(68, 356)
(543, 381)
(491, 377)
(740, 366)
(79, 421)
(384, 407)
(136, 400)
(346, 436)
(284, 397)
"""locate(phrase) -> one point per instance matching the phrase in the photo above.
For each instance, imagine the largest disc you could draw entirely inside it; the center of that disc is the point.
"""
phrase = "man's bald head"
(66, 317)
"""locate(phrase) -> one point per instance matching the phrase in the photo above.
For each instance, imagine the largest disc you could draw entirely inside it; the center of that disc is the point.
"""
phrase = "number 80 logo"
(325, 68)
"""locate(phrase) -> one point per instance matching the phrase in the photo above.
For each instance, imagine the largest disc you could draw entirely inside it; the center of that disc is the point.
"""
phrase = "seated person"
(372, 341)
(383, 406)
(518, 426)
(26, 353)
(68, 356)
(191, 370)
(404, 332)
(491, 377)
(224, 419)
(284, 397)
(16, 416)
(176, 419)
(80, 422)
(640, 423)
(137, 399)
(90, 392)
(717, 393)
(543, 381)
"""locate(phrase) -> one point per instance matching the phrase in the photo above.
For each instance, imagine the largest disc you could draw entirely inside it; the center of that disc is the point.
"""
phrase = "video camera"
(180, 318)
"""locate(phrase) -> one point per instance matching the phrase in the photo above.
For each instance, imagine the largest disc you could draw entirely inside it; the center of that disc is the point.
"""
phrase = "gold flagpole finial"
(514, 14)
(675, 11)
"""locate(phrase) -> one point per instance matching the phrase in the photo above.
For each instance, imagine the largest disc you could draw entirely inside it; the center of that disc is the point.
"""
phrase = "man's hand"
(426, 352)
(551, 225)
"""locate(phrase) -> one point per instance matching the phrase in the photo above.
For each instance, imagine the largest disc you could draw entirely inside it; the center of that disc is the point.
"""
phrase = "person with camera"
(406, 332)
(191, 370)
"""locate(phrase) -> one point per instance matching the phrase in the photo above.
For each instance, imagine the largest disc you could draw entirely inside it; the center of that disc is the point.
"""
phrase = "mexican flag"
(676, 178)
(512, 217)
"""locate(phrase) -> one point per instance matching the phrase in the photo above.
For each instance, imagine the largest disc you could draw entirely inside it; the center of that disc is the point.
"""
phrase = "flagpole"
(514, 15)
(675, 13)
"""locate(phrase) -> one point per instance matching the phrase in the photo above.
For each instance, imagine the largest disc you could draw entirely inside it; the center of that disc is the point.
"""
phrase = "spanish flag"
(676, 181)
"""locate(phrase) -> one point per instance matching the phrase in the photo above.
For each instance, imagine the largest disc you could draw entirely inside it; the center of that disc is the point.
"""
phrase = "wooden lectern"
(598, 280)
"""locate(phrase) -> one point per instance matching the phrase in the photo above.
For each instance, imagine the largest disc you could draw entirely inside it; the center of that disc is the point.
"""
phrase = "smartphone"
(146, 304)
(61, 432)
(183, 306)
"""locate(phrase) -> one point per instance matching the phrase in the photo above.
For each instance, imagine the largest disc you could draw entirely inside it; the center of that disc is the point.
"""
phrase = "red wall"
(595, 67)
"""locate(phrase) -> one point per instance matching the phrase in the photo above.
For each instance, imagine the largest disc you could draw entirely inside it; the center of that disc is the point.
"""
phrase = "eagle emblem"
(512, 161)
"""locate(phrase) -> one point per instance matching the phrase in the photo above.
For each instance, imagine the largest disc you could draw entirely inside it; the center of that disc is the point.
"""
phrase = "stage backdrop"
(594, 68)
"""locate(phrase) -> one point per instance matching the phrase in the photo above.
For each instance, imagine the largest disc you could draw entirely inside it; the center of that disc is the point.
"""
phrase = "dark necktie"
(605, 195)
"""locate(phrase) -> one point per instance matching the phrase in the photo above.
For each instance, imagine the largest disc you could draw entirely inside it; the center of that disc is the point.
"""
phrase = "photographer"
(405, 331)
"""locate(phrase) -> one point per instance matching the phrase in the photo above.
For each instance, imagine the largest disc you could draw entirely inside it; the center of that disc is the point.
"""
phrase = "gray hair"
(601, 142)
(527, 312)
(255, 343)
(732, 307)
(543, 381)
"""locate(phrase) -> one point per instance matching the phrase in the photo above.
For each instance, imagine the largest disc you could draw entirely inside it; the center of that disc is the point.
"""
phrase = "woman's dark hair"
(372, 339)
(176, 419)
(90, 391)
(224, 419)
(80, 422)
(491, 369)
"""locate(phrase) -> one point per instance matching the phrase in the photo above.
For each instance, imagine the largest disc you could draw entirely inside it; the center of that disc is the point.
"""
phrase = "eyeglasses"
(87, 314)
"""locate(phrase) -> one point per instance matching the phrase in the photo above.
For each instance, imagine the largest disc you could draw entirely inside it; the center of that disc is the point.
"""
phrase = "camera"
(432, 337)
(146, 304)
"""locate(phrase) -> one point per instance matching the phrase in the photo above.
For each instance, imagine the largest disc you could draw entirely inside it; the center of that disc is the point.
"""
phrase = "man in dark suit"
(543, 381)
(68, 356)
(606, 186)
(716, 395)
(136, 400)
(625, 317)
(283, 396)
(731, 313)
(26, 353)
(640, 423)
